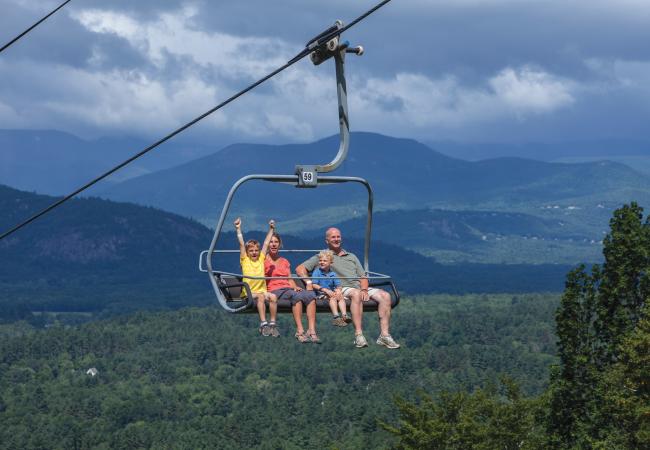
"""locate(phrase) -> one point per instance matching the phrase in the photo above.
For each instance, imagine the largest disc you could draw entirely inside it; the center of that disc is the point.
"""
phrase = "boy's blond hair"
(329, 254)
(251, 243)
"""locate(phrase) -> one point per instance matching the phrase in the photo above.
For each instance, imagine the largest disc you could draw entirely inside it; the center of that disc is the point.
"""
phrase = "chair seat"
(232, 289)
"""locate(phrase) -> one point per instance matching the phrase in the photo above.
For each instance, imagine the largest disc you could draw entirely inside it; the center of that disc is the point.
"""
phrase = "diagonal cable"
(8, 44)
(291, 62)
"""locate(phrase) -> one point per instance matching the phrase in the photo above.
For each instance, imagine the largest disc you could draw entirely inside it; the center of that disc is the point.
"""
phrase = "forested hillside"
(483, 236)
(200, 378)
(99, 256)
(599, 394)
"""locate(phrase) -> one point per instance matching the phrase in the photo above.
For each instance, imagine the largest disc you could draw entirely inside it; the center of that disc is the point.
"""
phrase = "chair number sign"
(307, 176)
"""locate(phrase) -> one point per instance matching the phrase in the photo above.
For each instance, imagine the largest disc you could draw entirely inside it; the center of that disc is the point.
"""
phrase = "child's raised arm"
(268, 237)
(240, 238)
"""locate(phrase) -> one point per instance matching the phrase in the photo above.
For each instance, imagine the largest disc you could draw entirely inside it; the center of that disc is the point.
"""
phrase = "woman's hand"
(272, 224)
(237, 223)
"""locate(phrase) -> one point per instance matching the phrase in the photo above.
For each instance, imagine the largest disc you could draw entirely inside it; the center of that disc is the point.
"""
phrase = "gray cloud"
(446, 69)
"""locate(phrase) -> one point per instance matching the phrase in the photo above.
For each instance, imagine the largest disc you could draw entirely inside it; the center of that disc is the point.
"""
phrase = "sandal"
(302, 338)
(314, 339)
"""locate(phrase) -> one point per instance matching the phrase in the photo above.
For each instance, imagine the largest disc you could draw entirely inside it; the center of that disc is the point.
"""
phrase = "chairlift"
(228, 286)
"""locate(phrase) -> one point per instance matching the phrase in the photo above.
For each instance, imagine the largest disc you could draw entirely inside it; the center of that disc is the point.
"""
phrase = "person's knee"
(382, 297)
(307, 297)
(272, 298)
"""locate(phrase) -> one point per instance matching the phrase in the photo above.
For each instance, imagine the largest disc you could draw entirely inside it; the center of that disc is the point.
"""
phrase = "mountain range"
(56, 163)
(404, 173)
(538, 211)
(545, 151)
(576, 200)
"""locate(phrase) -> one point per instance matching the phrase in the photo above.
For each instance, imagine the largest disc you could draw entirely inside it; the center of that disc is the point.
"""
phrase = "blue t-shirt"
(331, 283)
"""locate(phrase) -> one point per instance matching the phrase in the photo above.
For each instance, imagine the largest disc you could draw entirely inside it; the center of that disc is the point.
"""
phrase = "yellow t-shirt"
(253, 269)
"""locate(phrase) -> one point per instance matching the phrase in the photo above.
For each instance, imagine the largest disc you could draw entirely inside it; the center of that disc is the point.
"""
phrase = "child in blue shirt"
(325, 282)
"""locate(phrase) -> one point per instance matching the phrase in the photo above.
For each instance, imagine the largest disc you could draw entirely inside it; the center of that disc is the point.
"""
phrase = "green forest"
(498, 371)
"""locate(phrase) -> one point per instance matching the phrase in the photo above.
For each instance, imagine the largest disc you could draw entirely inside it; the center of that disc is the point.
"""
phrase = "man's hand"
(364, 295)
(237, 223)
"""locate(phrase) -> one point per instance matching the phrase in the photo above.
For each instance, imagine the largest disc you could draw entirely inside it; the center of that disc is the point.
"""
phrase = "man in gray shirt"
(355, 287)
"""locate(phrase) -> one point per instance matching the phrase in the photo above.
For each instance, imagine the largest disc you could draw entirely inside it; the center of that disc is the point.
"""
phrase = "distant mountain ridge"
(454, 229)
(404, 174)
(55, 163)
(544, 151)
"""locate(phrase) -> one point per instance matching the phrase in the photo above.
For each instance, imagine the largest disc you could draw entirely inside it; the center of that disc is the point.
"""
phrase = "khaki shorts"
(371, 291)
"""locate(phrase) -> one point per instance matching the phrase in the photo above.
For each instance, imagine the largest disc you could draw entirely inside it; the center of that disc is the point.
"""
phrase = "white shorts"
(347, 290)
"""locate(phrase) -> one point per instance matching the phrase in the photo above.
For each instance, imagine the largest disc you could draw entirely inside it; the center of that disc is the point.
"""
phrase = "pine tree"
(571, 383)
(625, 282)
(601, 343)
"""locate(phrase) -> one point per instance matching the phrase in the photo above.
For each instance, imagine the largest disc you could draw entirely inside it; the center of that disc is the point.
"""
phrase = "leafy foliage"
(598, 315)
(486, 419)
(199, 378)
(599, 395)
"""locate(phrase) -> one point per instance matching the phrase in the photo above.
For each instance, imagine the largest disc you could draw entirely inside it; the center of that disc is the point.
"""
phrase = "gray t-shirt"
(347, 265)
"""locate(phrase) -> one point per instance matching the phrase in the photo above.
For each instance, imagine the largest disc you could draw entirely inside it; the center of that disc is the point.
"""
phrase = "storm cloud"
(464, 69)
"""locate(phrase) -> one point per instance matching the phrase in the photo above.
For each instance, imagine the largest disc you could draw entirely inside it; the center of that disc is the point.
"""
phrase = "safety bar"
(368, 276)
(204, 253)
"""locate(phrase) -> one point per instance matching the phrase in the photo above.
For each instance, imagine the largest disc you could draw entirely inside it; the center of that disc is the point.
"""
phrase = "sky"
(462, 70)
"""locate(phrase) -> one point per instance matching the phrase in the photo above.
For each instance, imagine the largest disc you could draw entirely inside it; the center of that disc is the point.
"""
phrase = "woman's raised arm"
(269, 235)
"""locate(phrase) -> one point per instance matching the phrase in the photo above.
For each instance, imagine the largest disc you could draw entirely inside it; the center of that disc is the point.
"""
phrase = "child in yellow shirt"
(252, 265)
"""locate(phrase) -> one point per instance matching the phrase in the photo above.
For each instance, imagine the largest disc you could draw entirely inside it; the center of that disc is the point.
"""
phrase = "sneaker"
(387, 341)
(347, 318)
(265, 329)
(274, 330)
(360, 341)
(339, 321)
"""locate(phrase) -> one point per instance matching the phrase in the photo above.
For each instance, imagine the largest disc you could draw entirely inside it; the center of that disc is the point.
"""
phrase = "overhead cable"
(8, 44)
(292, 61)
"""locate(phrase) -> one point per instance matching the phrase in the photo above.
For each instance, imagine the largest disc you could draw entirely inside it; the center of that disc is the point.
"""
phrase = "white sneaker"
(360, 341)
(387, 341)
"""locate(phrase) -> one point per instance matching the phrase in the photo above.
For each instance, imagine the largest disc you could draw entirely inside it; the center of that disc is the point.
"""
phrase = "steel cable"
(8, 44)
(292, 61)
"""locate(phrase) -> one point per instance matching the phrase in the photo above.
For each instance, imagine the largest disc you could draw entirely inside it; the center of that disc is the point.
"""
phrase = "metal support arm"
(333, 48)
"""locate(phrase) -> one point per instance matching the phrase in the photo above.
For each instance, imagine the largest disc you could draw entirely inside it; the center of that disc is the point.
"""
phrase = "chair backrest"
(231, 287)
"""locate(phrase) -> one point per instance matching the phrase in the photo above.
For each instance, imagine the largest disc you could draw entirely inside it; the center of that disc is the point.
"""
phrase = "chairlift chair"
(228, 286)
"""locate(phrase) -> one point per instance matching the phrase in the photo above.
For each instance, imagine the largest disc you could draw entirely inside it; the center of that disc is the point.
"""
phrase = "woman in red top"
(285, 288)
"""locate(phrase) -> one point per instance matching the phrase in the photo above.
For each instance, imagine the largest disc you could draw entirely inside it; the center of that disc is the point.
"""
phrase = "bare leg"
(332, 302)
(384, 310)
(356, 308)
(297, 316)
(261, 307)
(343, 307)
(311, 317)
(273, 306)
